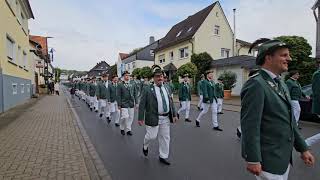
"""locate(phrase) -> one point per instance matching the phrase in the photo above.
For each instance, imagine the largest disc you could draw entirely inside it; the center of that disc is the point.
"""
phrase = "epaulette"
(254, 75)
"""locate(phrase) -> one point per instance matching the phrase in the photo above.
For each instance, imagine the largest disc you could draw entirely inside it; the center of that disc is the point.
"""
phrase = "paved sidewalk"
(46, 142)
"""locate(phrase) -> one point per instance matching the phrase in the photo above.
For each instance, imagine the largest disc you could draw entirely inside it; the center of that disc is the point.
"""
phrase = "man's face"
(296, 76)
(105, 78)
(126, 77)
(279, 61)
(186, 79)
(115, 80)
(158, 79)
(210, 76)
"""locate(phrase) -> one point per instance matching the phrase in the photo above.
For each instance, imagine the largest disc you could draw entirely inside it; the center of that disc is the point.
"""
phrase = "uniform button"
(290, 139)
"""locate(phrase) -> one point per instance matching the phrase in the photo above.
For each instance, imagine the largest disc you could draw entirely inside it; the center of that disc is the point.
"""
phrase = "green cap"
(156, 70)
(268, 47)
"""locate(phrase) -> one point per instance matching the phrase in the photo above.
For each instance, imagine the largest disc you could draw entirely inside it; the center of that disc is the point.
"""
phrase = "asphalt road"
(195, 153)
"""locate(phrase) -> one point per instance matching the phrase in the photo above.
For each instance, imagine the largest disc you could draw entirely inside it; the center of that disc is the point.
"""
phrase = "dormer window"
(190, 29)
(179, 33)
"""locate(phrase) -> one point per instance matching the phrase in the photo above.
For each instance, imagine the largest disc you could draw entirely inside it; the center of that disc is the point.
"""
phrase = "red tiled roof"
(123, 56)
(42, 41)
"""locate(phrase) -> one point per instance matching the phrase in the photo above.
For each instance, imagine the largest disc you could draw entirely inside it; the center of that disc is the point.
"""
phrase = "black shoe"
(164, 161)
(129, 133)
(220, 113)
(199, 108)
(299, 127)
(108, 120)
(122, 132)
(217, 128)
(145, 151)
(101, 115)
(90, 109)
(197, 123)
(117, 125)
(96, 111)
(188, 120)
(178, 116)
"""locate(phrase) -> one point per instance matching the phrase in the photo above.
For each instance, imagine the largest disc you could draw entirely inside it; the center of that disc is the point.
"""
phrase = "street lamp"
(316, 15)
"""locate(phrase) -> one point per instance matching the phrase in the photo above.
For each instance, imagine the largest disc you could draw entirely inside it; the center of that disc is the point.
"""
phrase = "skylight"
(190, 29)
(179, 33)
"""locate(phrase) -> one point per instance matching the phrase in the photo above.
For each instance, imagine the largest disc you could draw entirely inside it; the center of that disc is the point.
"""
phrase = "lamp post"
(316, 12)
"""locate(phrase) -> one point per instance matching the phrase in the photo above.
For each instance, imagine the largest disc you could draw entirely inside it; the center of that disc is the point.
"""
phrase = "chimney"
(151, 40)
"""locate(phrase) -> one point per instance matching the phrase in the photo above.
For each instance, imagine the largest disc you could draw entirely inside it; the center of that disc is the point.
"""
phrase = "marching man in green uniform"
(92, 93)
(127, 99)
(185, 97)
(269, 130)
(296, 93)
(112, 100)
(87, 89)
(156, 110)
(220, 95)
(209, 100)
(102, 95)
(200, 91)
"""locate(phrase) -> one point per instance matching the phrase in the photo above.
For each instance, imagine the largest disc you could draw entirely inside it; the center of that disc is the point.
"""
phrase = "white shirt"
(159, 98)
(106, 84)
(271, 74)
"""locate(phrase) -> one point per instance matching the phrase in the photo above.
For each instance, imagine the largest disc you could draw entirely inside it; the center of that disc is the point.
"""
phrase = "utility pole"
(316, 12)
(234, 33)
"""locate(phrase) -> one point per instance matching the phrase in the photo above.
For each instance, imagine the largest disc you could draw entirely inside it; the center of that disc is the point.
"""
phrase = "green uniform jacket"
(269, 130)
(184, 92)
(294, 89)
(209, 92)
(148, 107)
(102, 91)
(112, 92)
(127, 96)
(92, 89)
(87, 88)
(200, 87)
(316, 92)
(219, 90)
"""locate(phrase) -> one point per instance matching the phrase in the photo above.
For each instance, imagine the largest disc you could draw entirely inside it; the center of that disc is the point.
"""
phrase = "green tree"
(300, 52)
(202, 61)
(113, 70)
(229, 79)
(146, 72)
(57, 74)
(188, 68)
(136, 72)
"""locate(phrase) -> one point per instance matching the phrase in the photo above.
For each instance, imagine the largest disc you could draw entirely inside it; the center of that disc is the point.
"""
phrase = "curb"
(95, 166)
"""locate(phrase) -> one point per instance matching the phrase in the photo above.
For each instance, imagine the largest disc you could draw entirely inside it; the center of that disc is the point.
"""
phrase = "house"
(120, 65)
(206, 31)
(141, 57)
(15, 61)
(99, 69)
(37, 65)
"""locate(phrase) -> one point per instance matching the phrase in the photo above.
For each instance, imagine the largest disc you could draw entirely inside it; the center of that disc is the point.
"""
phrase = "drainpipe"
(192, 46)
(234, 33)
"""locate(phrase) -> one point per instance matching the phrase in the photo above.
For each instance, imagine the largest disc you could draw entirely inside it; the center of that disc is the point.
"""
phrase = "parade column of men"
(220, 95)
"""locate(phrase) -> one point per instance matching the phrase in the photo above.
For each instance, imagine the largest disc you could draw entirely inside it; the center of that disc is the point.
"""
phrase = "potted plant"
(43, 89)
(229, 80)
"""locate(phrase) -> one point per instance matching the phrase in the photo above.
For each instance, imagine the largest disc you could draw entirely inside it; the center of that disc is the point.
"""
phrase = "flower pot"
(43, 90)
(227, 94)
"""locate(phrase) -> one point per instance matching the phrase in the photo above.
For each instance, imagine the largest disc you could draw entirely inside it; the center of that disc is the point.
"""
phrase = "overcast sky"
(86, 32)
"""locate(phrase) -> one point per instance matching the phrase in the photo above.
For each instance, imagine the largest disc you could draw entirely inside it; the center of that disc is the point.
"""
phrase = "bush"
(188, 68)
(229, 79)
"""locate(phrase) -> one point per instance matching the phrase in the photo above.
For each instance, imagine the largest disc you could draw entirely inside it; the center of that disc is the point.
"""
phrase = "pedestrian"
(156, 111)
(269, 131)
(112, 101)
(296, 93)
(185, 97)
(73, 91)
(96, 103)
(92, 93)
(57, 88)
(102, 94)
(316, 91)
(126, 103)
(220, 94)
(200, 91)
(209, 100)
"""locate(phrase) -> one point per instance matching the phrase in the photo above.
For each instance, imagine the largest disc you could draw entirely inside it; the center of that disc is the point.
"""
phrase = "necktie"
(277, 80)
(164, 103)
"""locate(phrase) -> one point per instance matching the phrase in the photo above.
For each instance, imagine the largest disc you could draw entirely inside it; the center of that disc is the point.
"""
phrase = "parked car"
(306, 106)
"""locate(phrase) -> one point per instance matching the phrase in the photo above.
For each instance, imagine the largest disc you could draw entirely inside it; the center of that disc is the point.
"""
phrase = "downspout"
(192, 46)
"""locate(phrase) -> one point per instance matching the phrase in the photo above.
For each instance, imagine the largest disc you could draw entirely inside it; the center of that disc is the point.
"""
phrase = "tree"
(300, 52)
(136, 72)
(188, 68)
(113, 70)
(229, 79)
(57, 72)
(146, 72)
(203, 63)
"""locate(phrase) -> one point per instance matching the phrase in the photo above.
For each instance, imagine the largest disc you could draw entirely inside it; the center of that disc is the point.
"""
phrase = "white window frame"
(162, 58)
(133, 65)
(179, 33)
(28, 88)
(216, 30)
(14, 88)
(224, 53)
(184, 53)
(171, 55)
(190, 28)
(12, 54)
(22, 88)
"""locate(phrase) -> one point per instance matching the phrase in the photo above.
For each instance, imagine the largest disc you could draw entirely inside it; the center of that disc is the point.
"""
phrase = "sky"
(87, 32)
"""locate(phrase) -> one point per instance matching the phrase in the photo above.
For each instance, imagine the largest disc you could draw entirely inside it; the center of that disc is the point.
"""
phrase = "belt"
(165, 114)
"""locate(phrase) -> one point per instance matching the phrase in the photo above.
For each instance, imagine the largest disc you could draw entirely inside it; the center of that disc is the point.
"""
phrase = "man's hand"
(140, 122)
(254, 168)
(308, 158)
(137, 106)
(175, 119)
(308, 97)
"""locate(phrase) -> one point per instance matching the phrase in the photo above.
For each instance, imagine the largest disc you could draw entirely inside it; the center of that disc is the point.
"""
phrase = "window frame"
(216, 30)
(162, 58)
(185, 52)
(22, 88)
(14, 88)
(9, 39)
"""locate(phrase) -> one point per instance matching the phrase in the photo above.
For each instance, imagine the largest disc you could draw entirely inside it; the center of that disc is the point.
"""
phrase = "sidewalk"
(234, 104)
(46, 142)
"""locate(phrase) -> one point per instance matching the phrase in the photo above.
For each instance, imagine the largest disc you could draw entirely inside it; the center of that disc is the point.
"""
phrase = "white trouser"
(83, 95)
(114, 112)
(127, 115)
(268, 176)
(96, 103)
(296, 109)
(214, 109)
(313, 139)
(219, 104)
(200, 101)
(104, 108)
(91, 102)
(185, 105)
(163, 133)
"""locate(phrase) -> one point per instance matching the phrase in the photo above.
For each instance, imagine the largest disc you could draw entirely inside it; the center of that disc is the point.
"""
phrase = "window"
(151, 52)
(22, 88)
(225, 53)
(184, 52)
(190, 29)
(28, 88)
(171, 55)
(162, 59)
(18, 12)
(19, 58)
(10, 49)
(25, 60)
(179, 33)
(216, 30)
(14, 88)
